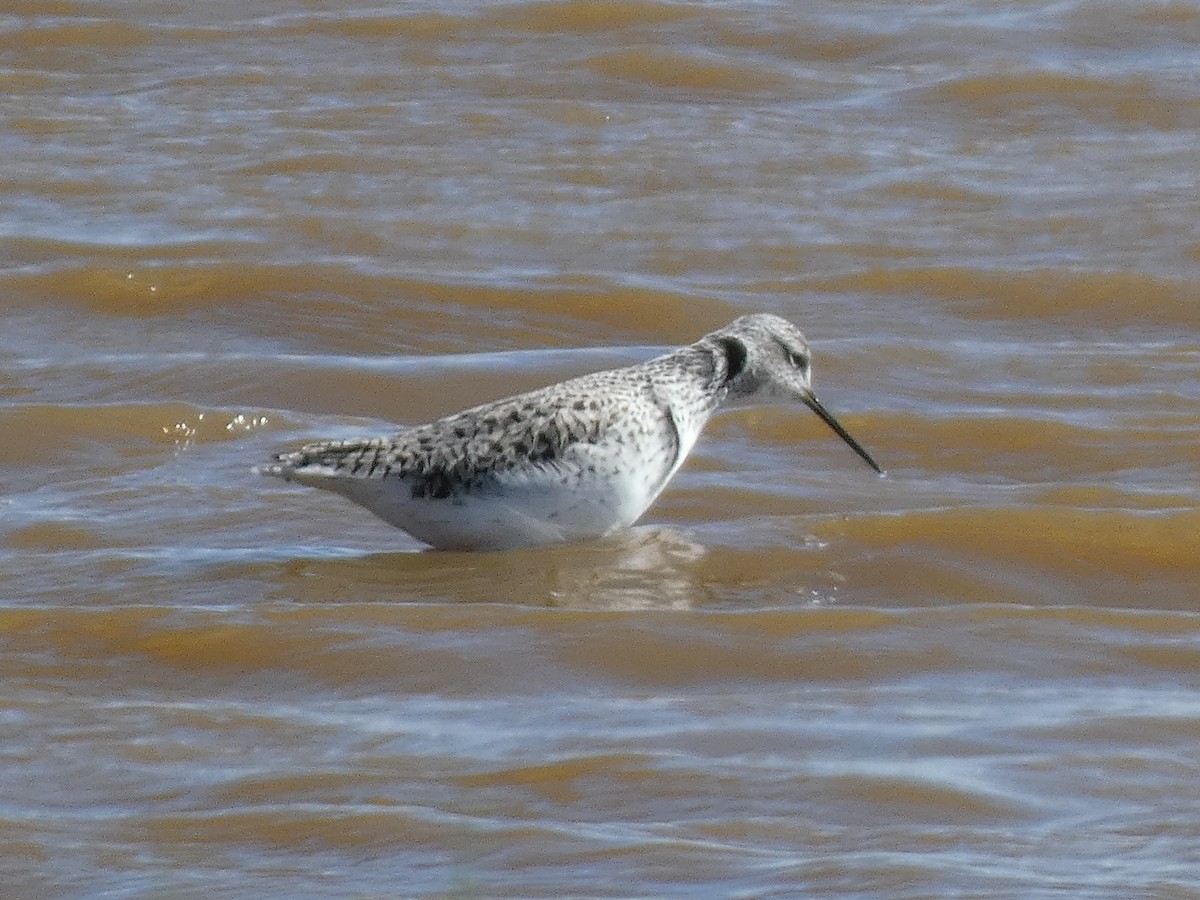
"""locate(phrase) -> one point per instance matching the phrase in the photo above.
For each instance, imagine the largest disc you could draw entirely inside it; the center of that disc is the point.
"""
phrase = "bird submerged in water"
(571, 461)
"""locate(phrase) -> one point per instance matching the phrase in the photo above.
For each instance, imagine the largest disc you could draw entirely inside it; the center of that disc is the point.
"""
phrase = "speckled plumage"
(570, 461)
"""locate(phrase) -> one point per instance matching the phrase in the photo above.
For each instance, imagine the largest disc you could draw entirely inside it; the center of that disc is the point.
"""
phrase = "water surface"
(229, 228)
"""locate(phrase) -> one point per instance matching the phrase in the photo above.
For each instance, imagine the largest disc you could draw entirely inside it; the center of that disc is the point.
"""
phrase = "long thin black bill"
(827, 417)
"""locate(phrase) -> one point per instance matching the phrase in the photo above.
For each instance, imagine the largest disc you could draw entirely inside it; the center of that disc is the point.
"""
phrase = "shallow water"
(229, 228)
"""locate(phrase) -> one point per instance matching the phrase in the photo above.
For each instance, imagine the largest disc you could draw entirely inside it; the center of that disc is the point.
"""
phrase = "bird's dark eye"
(797, 360)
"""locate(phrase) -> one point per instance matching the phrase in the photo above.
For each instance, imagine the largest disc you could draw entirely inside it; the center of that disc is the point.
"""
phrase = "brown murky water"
(228, 227)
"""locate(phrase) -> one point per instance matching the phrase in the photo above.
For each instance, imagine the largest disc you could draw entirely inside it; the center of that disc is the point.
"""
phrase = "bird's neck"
(695, 378)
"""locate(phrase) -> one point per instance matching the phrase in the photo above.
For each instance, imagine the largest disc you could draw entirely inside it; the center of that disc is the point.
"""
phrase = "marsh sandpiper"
(571, 461)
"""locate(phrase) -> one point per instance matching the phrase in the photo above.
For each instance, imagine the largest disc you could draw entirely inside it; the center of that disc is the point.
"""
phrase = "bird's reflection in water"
(647, 567)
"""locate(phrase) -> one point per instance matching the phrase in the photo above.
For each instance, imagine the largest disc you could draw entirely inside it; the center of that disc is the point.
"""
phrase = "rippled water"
(231, 227)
